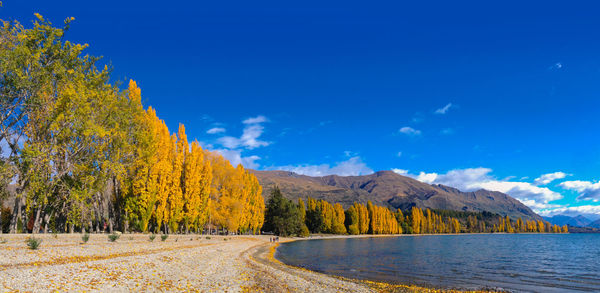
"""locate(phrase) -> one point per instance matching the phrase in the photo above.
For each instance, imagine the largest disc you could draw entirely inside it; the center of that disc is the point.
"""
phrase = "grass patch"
(33, 243)
(85, 237)
(208, 237)
(164, 237)
(113, 237)
(152, 237)
(2, 241)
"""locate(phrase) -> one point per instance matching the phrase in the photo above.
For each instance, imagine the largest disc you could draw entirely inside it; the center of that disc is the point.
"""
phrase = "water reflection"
(517, 262)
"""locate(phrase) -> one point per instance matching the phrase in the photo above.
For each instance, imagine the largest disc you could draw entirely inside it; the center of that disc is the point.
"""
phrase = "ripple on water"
(516, 262)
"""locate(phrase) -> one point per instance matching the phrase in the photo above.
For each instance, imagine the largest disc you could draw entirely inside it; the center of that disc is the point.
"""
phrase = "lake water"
(514, 262)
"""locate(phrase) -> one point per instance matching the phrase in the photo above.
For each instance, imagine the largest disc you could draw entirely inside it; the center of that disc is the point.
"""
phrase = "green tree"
(282, 216)
(315, 220)
(352, 221)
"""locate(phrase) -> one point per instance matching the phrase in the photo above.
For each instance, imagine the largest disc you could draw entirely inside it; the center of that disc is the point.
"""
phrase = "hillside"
(390, 189)
(595, 224)
(578, 221)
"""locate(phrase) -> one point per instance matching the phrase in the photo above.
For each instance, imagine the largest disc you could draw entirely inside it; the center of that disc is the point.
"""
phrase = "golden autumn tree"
(328, 215)
(197, 178)
(302, 208)
(175, 199)
(417, 219)
(339, 217)
(363, 218)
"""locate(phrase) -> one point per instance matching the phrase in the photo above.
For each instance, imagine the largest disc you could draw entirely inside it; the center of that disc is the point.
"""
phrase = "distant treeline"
(283, 217)
(80, 153)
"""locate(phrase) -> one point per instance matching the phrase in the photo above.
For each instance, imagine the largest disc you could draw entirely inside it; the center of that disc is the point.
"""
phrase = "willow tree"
(63, 122)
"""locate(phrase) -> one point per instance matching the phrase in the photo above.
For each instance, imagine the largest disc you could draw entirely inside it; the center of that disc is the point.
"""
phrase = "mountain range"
(576, 221)
(390, 189)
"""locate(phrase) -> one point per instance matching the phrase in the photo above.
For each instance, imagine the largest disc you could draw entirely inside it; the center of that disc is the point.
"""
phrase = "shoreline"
(186, 263)
(376, 285)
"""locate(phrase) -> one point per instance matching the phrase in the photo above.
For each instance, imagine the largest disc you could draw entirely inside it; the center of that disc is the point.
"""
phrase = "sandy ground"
(189, 263)
(134, 263)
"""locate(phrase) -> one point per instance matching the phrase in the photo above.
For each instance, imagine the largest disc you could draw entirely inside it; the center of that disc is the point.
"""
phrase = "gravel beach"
(189, 263)
(186, 263)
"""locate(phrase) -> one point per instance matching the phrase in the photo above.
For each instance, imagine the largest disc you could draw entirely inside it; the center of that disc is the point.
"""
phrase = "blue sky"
(468, 94)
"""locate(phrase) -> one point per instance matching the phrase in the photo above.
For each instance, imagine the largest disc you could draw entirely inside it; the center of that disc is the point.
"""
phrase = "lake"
(515, 262)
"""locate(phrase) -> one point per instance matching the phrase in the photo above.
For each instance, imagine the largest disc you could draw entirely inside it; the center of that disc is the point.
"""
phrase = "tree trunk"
(37, 221)
(126, 223)
(16, 214)
(46, 220)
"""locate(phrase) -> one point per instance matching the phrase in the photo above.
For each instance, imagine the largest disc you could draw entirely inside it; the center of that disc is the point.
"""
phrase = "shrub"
(224, 239)
(85, 237)
(164, 237)
(208, 237)
(113, 237)
(304, 231)
(152, 237)
(33, 243)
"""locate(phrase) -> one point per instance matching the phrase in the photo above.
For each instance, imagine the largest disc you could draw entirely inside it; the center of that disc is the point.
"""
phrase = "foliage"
(164, 237)
(85, 151)
(5, 219)
(33, 243)
(282, 216)
(85, 237)
(152, 237)
(113, 237)
(322, 217)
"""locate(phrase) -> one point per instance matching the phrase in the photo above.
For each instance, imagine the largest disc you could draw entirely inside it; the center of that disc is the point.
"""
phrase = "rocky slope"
(390, 189)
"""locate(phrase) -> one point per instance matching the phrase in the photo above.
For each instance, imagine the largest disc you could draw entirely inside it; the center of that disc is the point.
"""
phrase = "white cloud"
(409, 131)
(400, 171)
(250, 135)
(556, 66)
(587, 190)
(256, 120)
(473, 179)
(232, 147)
(399, 154)
(547, 178)
(352, 167)
(444, 109)
(235, 158)
(215, 130)
(590, 211)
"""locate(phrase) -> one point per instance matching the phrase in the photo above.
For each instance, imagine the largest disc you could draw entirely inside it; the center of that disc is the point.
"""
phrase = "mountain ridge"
(576, 221)
(390, 189)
